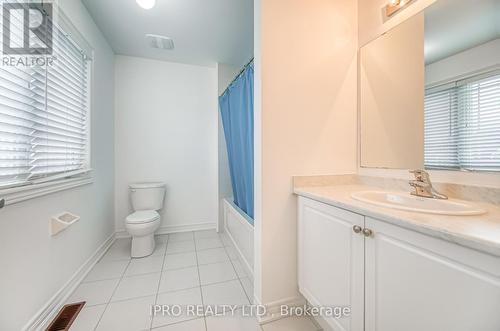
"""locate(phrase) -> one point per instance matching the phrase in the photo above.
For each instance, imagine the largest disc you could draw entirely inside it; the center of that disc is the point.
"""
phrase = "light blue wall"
(34, 265)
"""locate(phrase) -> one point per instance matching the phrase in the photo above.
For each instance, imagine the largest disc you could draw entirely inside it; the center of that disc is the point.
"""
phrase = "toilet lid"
(143, 216)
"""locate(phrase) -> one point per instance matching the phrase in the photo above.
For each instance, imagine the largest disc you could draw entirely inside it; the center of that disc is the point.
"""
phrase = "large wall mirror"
(430, 90)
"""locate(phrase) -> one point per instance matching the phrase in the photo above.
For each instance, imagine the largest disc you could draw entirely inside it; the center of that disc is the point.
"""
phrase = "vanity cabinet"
(330, 260)
(393, 278)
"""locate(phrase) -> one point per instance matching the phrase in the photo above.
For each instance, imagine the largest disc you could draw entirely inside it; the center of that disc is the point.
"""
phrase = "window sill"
(23, 193)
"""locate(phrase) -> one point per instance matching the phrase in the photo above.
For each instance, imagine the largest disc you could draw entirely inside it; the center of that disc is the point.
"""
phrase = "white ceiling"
(204, 31)
(453, 26)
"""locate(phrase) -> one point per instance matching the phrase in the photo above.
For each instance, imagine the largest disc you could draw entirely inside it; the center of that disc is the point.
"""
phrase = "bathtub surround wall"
(305, 123)
(166, 130)
(35, 265)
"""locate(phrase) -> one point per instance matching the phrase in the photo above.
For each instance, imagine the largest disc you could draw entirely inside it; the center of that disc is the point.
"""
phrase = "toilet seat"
(142, 216)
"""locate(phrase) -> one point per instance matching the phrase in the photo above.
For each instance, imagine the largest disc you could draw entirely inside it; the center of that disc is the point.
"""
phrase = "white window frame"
(63, 181)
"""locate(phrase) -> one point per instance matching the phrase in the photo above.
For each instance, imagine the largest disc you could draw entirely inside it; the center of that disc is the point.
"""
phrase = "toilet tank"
(147, 196)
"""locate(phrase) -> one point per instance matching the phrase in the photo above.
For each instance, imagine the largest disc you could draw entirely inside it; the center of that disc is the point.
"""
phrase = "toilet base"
(143, 246)
(143, 237)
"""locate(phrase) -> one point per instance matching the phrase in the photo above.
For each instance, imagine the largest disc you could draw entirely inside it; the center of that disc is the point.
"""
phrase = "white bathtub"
(238, 228)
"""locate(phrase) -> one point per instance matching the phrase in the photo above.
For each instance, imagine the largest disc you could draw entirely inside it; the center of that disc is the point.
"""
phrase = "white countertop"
(478, 232)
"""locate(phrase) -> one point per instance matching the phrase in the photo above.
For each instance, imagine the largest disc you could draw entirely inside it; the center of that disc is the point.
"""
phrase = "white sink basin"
(408, 202)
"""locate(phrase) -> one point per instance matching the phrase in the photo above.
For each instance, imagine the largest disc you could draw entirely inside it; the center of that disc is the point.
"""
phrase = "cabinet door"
(330, 261)
(416, 282)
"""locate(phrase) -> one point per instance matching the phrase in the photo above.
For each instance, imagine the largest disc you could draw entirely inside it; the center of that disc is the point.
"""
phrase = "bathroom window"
(44, 114)
(462, 124)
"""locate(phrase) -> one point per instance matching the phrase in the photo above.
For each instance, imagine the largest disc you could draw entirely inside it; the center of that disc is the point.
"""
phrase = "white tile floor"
(192, 268)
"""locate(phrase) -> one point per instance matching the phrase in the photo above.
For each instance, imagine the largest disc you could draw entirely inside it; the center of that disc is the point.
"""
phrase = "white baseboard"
(122, 233)
(45, 315)
(273, 309)
(322, 323)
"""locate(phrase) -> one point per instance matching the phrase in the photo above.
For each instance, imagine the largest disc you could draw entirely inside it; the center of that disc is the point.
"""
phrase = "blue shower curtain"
(236, 107)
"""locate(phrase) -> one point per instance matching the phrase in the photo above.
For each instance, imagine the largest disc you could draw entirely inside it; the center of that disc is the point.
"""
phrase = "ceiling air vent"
(66, 317)
(160, 42)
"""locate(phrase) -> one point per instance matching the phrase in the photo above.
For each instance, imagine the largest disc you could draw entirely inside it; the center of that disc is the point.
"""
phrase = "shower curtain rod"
(238, 75)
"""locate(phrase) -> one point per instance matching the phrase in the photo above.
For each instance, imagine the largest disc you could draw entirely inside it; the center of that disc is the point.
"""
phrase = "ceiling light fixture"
(146, 4)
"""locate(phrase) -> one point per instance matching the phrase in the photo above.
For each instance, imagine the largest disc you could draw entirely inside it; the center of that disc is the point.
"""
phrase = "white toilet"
(147, 199)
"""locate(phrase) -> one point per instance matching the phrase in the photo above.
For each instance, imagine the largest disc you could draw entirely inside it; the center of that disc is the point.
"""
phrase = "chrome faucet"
(423, 186)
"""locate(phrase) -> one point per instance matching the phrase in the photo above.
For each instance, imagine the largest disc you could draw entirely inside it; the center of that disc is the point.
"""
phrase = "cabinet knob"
(357, 229)
(367, 232)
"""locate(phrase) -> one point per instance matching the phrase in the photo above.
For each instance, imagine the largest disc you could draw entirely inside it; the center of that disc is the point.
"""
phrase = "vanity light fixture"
(394, 6)
(146, 4)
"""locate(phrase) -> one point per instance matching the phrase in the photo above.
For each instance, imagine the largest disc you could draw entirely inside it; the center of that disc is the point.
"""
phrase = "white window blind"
(462, 124)
(44, 112)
